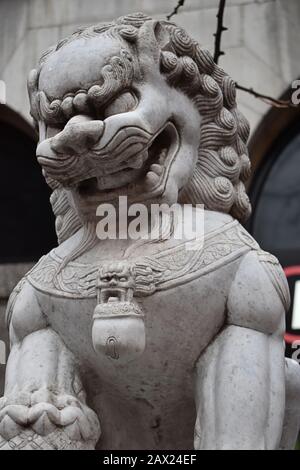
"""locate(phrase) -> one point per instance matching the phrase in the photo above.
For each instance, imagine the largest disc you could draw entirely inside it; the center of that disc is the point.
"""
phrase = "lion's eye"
(122, 104)
(123, 279)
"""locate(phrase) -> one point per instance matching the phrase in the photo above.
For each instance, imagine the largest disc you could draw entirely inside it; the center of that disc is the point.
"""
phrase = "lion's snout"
(79, 133)
(61, 152)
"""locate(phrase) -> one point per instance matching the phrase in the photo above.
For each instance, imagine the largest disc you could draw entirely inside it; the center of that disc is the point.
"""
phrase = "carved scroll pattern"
(163, 270)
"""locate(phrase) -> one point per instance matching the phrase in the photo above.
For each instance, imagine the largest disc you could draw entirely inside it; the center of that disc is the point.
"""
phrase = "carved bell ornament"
(118, 330)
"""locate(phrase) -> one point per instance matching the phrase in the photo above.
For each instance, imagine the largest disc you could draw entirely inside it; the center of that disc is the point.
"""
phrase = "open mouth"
(144, 172)
(112, 295)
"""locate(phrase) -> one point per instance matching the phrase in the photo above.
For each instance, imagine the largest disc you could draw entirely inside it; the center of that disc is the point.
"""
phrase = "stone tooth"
(163, 155)
(156, 168)
(152, 179)
(136, 162)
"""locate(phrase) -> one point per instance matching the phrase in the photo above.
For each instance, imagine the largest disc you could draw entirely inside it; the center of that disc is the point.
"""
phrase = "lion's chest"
(182, 296)
(137, 401)
(179, 323)
(181, 293)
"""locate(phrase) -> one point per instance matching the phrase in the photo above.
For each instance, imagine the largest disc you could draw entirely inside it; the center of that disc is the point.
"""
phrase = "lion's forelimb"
(241, 375)
(240, 391)
(44, 404)
(291, 424)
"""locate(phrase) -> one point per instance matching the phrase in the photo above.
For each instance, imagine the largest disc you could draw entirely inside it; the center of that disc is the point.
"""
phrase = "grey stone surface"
(146, 343)
(55, 12)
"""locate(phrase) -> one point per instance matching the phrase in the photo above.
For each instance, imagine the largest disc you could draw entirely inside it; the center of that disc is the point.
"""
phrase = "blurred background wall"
(262, 51)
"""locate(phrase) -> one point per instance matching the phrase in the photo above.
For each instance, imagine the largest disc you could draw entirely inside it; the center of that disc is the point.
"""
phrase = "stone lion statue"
(136, 343)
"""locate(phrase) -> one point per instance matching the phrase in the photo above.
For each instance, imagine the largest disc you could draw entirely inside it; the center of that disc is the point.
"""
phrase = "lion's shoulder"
(216, 220)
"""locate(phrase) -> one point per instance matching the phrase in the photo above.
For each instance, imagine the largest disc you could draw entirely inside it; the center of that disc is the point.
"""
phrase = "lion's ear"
(153, 37)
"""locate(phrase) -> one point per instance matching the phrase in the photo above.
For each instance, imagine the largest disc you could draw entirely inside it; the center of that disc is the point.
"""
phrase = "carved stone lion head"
(136, 107)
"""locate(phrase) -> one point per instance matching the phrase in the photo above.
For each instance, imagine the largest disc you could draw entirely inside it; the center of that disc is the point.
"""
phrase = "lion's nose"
(44, 152)
(79, 134)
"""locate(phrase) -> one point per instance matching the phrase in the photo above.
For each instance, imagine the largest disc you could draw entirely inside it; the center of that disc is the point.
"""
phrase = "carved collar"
(160, 271)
